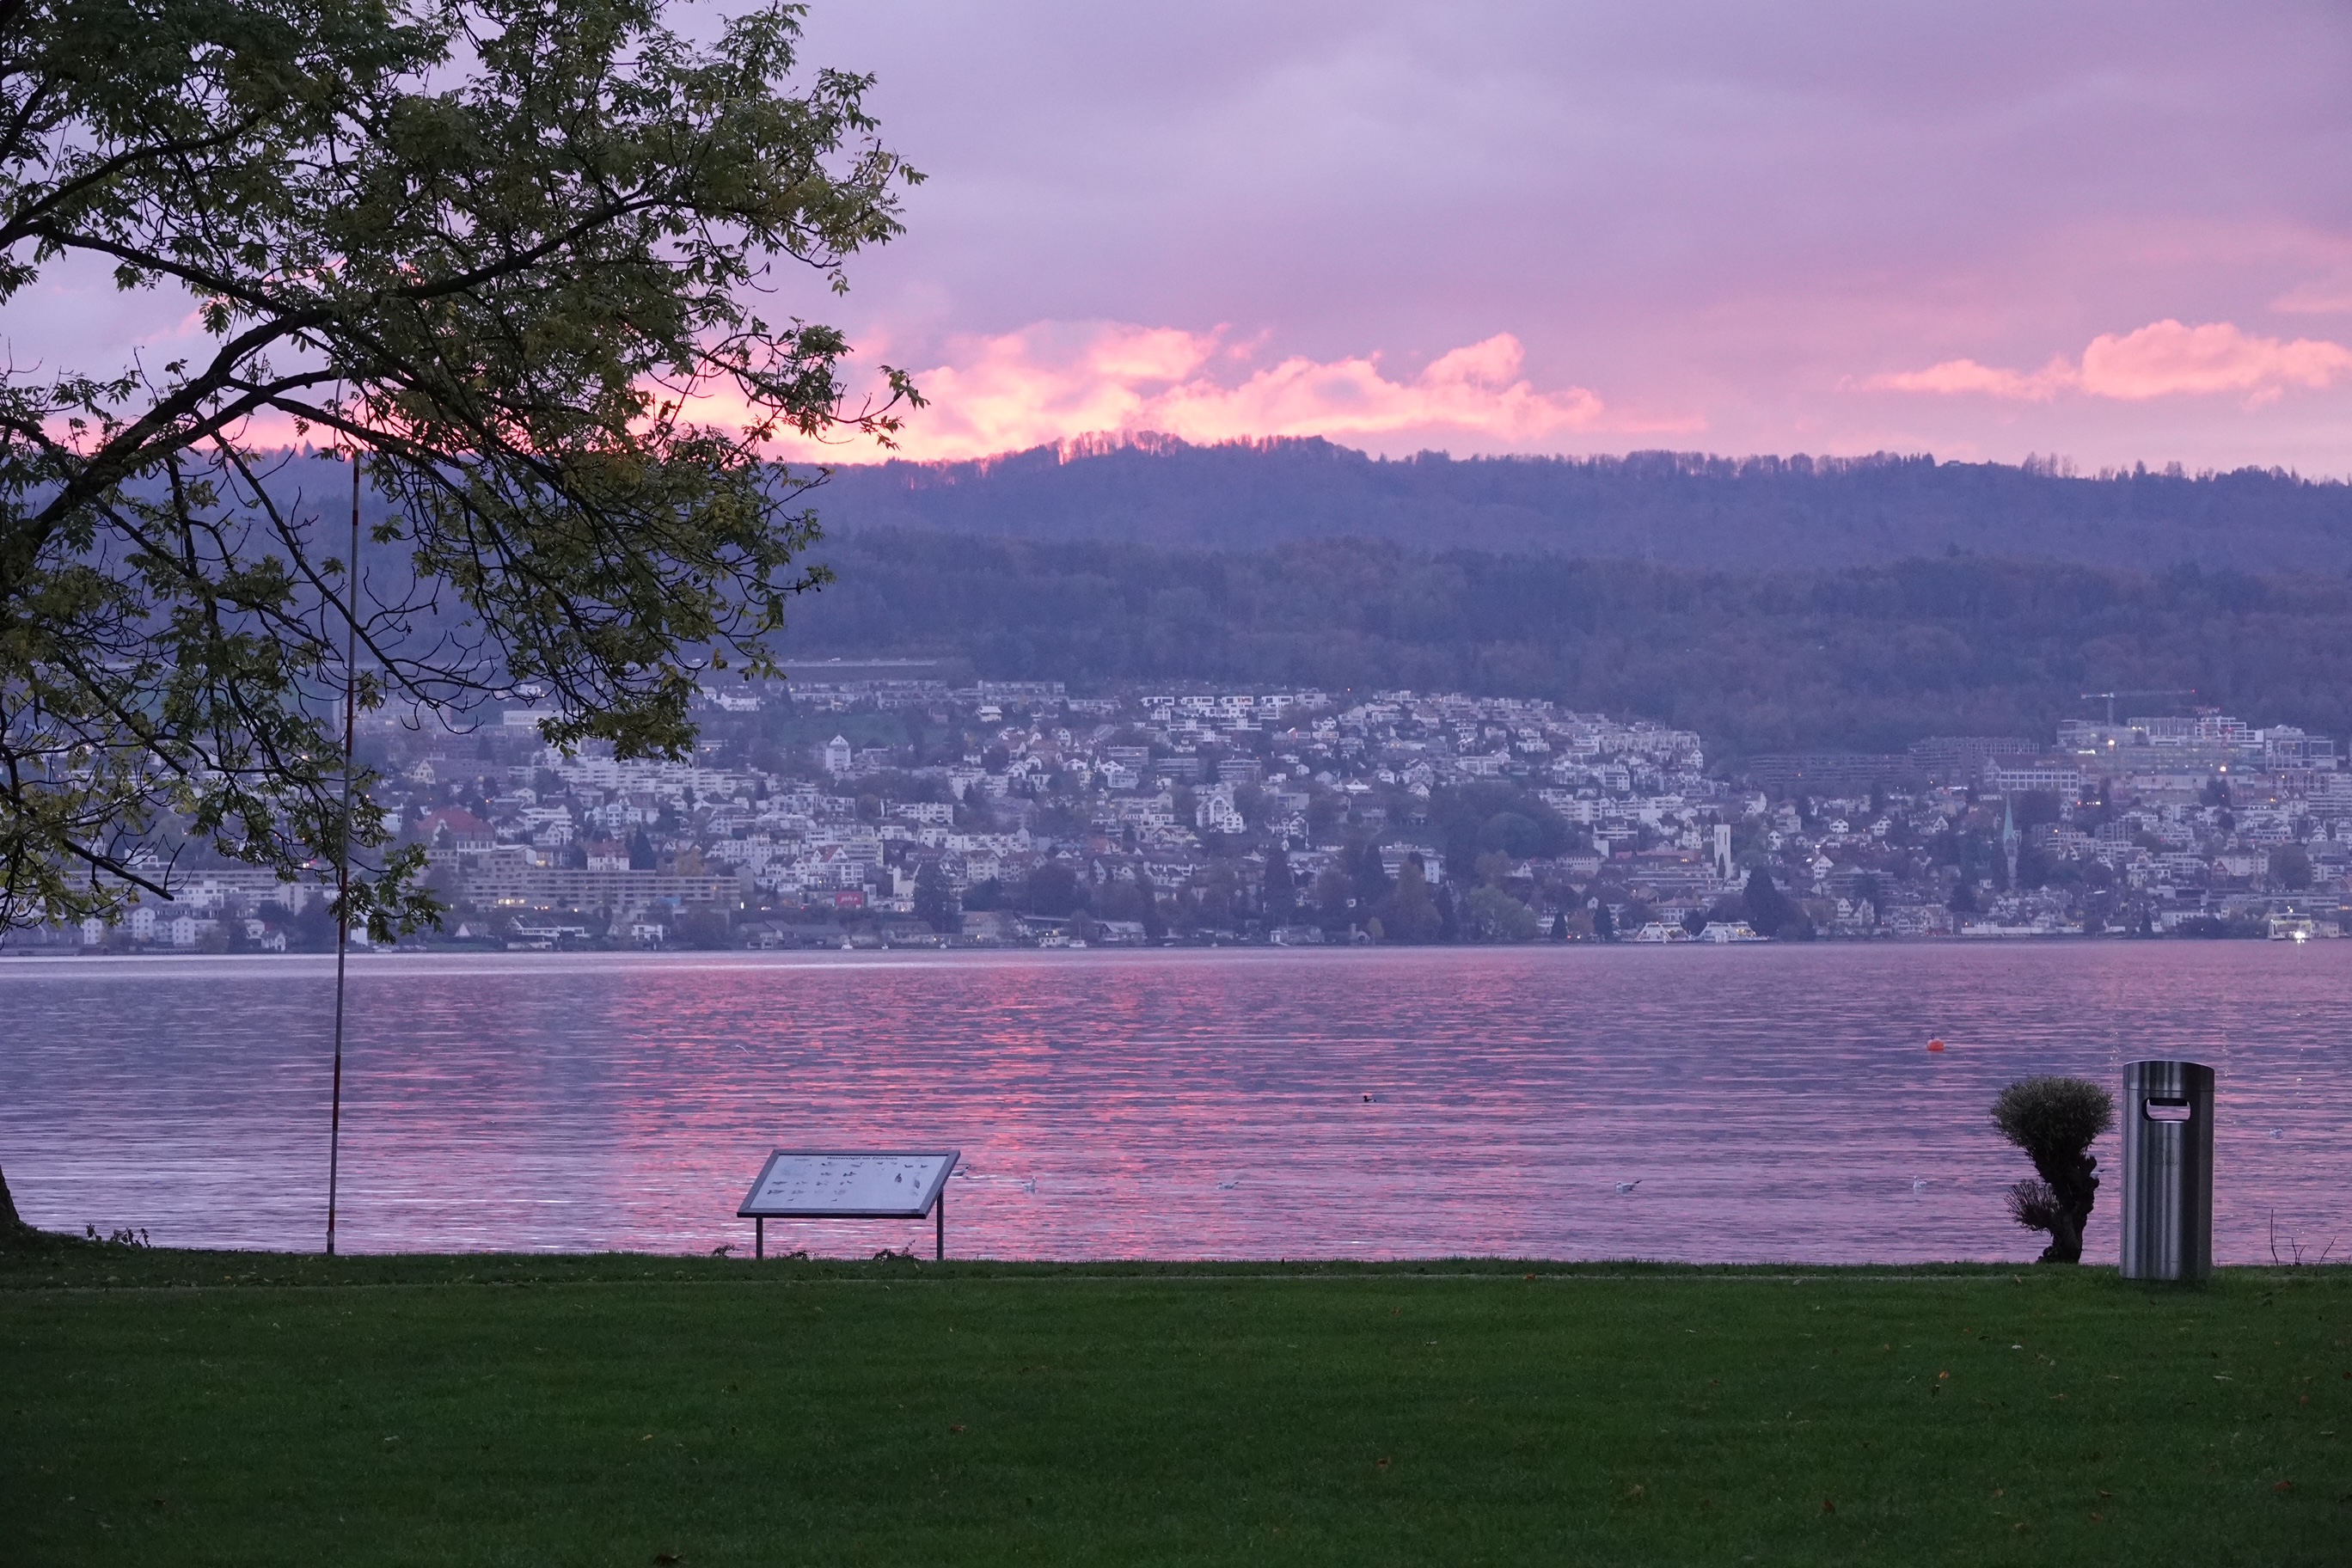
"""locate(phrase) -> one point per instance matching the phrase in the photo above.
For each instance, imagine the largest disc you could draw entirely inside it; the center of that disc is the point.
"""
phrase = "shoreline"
(1082, 952)
(75, 1255)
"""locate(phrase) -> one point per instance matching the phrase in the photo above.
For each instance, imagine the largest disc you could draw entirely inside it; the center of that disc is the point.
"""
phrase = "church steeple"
(2008, 837)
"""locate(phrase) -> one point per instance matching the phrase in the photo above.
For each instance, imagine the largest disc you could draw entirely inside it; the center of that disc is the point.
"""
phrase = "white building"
(2007, 776)
(1216, 812)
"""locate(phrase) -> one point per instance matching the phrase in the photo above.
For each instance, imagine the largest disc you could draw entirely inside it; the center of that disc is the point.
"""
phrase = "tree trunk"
(2065, 1240)
(2076, 1184)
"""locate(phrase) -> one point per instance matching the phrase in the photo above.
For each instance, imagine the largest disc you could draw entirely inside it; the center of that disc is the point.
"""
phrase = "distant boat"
(1730, 931)
(2041, 925)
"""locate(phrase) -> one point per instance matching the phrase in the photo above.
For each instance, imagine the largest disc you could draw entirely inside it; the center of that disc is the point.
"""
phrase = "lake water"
(1768, 1103)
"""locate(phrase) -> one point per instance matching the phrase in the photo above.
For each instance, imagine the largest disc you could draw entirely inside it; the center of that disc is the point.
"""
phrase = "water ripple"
(1752, 1104)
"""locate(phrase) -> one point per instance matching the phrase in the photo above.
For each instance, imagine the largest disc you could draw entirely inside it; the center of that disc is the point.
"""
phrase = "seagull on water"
(1629, 1186)
(1919, 1184)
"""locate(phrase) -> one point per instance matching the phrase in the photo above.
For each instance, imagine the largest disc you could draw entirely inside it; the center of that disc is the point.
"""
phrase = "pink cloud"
(1053, 381)
(2328, 296)
(1957, 376)
(2163, 359)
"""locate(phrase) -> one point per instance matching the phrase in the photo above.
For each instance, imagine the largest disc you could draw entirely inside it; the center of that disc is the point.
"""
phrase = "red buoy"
(1935, 1044)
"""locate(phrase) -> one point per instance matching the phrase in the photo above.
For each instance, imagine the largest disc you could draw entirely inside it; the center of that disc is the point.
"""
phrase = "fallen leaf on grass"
(2284, 1486)
(1380, 1464)
(955, 1428)
(1634, 1492)
(2098, 1519)
(1828, 1507)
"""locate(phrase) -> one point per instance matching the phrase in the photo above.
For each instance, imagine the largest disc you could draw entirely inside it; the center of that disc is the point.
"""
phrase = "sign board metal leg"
(759, 1237)
(941, 1254)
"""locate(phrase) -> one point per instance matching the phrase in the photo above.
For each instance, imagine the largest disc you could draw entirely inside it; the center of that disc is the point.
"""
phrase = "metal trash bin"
(2168, 1225)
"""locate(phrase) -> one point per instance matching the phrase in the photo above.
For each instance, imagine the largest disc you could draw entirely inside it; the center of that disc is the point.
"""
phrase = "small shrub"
(2055, 1120)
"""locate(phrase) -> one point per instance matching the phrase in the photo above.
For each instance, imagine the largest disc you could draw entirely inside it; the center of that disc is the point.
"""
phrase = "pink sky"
(2112, 232)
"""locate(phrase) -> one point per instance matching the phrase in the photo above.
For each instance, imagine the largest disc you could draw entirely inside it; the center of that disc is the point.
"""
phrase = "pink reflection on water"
(1773, 1103)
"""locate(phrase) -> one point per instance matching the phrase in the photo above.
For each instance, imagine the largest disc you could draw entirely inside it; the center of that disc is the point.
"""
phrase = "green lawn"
(192, 1408)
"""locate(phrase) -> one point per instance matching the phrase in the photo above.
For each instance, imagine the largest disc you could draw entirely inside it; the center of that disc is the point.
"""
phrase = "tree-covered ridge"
(1864, 657)
(1685, 508)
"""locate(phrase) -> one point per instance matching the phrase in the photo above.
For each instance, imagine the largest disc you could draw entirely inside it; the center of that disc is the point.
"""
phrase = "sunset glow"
(1055, 381)
(1571, 231)
(2164, 359)
(1589, 229)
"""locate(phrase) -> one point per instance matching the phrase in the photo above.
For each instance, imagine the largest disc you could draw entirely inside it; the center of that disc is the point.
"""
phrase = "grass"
(191, 1408)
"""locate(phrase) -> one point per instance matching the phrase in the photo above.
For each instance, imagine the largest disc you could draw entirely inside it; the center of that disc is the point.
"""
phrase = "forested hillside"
(1866, 657)
(1814, 641)
(1674, 508)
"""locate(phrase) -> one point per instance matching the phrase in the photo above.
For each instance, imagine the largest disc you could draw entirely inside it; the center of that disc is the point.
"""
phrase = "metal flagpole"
(344, 851)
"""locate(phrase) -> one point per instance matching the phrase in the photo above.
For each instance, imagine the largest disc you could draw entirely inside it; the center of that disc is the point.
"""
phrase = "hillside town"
(887, 806)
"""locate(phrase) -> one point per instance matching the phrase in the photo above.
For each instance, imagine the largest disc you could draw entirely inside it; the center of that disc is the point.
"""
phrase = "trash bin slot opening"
(2166, 1109)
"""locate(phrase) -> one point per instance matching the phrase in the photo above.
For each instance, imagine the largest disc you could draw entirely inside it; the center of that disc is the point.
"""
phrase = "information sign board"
(850, 1183)
(844, 1184)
